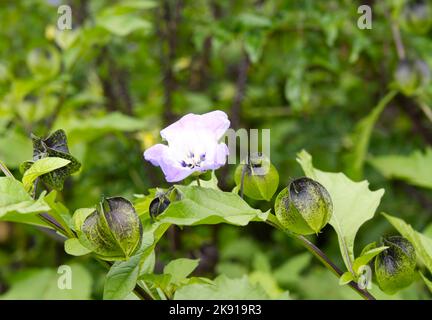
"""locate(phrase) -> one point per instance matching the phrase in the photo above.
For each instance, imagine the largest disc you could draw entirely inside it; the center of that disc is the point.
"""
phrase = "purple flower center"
(191, 162)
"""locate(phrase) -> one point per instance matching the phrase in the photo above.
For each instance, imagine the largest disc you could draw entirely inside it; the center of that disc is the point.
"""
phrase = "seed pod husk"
(113, 231)
(304, 207)
(395, 266)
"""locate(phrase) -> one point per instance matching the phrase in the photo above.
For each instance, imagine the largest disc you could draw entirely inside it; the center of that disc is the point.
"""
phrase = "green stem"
(198, 181)
(321, 256)
(242, 180)
(5, 170)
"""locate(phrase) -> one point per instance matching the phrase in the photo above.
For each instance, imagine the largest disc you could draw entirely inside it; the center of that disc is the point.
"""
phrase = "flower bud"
(417, 16)
(113, 230)
(411, 76)
(304, 207)
(158, 205)
(260, 177)
(394, 267)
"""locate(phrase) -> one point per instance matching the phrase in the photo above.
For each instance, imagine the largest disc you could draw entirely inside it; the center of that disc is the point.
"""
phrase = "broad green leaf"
(43, 284)
(366, 257)
(74, 247)
(421, 243)
(212, 183)
(223, 288)
(354, 160)
(353, 204)
(209, 206)
(180, 269)
(40, 168)
(158, 282)
(414, 168)
(16, 205)
(123, 275)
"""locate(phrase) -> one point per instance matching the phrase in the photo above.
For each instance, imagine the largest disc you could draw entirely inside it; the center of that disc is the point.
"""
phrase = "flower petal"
(217, 158)
(174, 173)
(214, 123)
(156, 153)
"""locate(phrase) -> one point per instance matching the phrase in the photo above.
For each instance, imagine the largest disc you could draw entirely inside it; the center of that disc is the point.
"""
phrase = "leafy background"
(128, 68)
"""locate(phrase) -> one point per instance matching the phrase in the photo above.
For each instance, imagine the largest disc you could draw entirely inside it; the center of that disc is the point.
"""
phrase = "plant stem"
(242, 181)
(321, 256)
(426, 110)
(5, 170)
(198, 181)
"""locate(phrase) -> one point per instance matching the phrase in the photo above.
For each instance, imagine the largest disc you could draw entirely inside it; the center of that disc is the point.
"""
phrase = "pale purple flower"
(193, 145)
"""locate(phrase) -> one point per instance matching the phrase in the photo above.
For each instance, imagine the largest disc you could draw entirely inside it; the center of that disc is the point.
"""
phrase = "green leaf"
(181, 268)
(354, 160)
(122, 25)
(74, 247)
(347, 277)
(421, 243)
(123, 275)
(254, 43)
(223, 288)
(353, 204)
(209, 206)
(16, 205)
(40, 168)
(42, 284)
(414, 168)
(365, 257)
(124, 18)
(44, 63)
(212, 183)
(427, 282)
(290, 271)
(20, 152)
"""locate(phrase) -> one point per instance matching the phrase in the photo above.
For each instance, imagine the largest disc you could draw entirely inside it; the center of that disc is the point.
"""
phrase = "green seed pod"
(260, 177)
(113, 230)
(411, 76)
(304, 207)
(54, 145)
(395, 266)
(417, 16)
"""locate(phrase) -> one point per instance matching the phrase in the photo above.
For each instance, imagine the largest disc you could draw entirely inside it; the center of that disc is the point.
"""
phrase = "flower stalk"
(321, 256)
